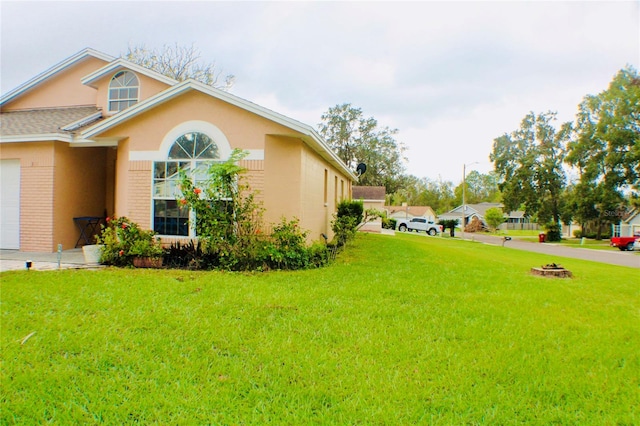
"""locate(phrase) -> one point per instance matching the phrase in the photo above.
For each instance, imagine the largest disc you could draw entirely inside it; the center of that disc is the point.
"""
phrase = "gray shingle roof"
(368, 192)
(42, 121)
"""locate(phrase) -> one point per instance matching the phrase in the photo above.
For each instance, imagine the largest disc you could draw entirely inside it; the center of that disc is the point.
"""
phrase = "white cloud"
(451, 76)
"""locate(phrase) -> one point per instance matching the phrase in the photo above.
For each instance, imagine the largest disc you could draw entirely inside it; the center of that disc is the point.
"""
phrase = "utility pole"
(464, 195)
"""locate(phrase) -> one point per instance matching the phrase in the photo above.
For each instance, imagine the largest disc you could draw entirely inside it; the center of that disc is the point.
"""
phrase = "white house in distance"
(629, 224)
(514, 220)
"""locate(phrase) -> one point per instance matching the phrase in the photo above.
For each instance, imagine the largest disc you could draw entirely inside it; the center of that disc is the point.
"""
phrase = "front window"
(193, 153)
(123, 91)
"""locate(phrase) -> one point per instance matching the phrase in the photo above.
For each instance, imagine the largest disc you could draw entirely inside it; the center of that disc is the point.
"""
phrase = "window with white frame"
(123, 91)
(193, 153)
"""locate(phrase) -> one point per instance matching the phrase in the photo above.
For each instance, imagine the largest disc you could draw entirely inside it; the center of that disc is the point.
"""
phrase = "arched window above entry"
(123, 91)
(194, 146)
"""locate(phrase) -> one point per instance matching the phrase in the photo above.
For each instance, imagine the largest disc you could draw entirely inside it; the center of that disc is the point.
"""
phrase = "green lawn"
(400, 330)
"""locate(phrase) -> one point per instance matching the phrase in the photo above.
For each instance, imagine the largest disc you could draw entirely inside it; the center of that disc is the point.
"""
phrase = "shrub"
(494, 217)
(449, 224)
(229, 226)
(123, 240)
(287, 249)
(189, 255)
(389, 223)
(577, 233)
(352, 208)
(553, 232)
(348, 216)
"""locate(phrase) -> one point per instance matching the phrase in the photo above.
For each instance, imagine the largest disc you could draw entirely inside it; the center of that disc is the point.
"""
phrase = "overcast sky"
(450, 76)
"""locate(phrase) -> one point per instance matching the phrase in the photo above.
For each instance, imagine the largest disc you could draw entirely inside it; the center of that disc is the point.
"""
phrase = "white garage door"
(9, 204)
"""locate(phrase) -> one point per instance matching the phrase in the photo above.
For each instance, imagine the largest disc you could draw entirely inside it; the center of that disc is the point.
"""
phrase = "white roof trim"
(43, 137)
(108, 142)
(313, 137)
(82, 122)
(123, 63)
(52, 71)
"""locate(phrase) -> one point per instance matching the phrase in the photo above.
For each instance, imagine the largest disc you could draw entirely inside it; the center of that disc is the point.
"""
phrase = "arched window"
(123, 91)
(193, 152)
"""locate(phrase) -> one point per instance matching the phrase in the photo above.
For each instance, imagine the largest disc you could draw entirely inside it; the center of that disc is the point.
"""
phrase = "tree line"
(585, 171)
(534, 163)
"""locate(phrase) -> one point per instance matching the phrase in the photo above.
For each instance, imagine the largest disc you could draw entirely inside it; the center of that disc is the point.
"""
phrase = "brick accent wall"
(255, 177)
(36, 204)
(139, 193)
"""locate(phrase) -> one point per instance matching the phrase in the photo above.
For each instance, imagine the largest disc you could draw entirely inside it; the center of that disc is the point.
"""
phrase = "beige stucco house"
(97, 136)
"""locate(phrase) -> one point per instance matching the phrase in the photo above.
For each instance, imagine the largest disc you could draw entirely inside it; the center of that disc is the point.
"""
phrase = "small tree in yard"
(349, 215)
(226, 211)
(229, 224)
(494, 217)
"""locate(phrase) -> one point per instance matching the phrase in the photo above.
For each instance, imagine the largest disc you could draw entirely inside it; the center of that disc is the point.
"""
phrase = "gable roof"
(368, 192)
(311, 136)
(417, 211)
(60, 66)
(119, 64)
(480, 210)
(630, 215)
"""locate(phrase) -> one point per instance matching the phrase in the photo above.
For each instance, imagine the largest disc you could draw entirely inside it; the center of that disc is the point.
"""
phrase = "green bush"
(287, 248)
(123, 240)
(352, 208)
(389, 223)
(553, 232)
(449, 224)
(348, 216)
(577, 233)
(229, 226)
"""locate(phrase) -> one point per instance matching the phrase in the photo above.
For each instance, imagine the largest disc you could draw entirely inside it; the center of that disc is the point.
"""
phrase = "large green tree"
(357, 139)
(529, 164)
(414, 191)
(180, 63)
(480, 188)
(606, 149)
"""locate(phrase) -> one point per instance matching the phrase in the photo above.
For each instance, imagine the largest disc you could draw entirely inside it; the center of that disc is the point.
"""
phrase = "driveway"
(620, 258)
(11, 260)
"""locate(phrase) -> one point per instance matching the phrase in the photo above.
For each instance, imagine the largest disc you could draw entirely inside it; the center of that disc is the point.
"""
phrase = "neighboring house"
(513, 220)
(372, 198)
(629, 224)
(409, 212)
(96, 135)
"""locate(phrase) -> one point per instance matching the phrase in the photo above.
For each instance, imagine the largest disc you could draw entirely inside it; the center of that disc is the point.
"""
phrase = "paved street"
(621, 258)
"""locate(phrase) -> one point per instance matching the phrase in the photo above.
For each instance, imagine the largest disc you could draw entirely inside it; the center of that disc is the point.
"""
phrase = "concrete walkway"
(11, 260)
(620, 258)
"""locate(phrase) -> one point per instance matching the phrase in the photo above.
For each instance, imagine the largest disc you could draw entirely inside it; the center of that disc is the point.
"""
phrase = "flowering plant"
(123, 240)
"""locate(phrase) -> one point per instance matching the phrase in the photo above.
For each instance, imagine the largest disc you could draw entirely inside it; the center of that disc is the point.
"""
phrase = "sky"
(450, 76)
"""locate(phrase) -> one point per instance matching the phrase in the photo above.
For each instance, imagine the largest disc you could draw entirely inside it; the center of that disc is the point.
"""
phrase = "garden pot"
(147, 262)
(92, 253)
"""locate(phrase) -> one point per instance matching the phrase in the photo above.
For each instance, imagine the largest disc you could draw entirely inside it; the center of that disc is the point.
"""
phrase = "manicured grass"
(400, 330)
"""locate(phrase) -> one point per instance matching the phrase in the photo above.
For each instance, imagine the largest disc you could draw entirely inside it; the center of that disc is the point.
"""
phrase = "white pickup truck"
(418, 224)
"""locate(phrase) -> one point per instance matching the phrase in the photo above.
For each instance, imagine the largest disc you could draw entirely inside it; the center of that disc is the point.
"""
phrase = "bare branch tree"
(180, 63)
